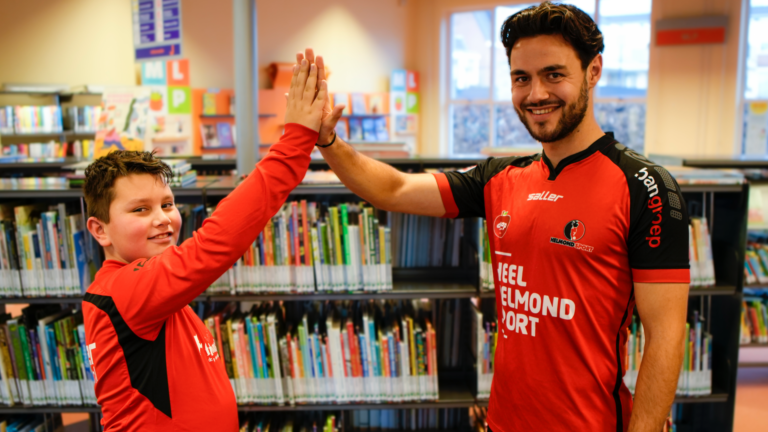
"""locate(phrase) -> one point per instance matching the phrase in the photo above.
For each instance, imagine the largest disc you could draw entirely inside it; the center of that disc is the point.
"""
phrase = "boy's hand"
(330, 116)
(305, 106)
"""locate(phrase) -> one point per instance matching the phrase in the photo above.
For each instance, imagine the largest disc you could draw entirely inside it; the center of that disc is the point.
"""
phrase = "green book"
(63, 359)
(336, 235)
(27, 350)
(18, 355)
(345, 231)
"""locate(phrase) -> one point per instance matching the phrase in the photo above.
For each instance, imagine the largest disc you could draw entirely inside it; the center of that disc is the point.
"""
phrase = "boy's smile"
(143, 219)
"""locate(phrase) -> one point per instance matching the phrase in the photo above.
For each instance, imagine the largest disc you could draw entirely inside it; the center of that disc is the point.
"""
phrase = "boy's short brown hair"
(100, 177)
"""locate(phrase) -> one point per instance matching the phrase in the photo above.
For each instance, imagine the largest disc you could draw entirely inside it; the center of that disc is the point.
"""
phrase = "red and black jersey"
(567, 244)
(155, 362)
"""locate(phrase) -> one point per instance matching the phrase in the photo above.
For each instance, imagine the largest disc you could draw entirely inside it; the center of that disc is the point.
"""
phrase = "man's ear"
(595, 70)
(98, 230)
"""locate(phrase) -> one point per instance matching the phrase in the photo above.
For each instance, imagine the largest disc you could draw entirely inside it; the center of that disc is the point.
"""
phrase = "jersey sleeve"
(146, 292)
(658, 234)
(463, 191)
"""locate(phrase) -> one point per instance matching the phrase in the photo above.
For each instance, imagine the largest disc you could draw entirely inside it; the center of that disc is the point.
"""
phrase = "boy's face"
(143, 219)
(550, 91)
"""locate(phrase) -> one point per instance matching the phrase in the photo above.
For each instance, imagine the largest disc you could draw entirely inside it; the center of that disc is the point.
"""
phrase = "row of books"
(183, 174)
(756, 263)
(44, 359)
(360, 104)
(699, 253)
(308, 247)
(43, 251)
(423, 419)
(31, 423)
(82, 118)
(329, 352)
(754, 318)
(363, 129)
(50, 149)
(422, 241)
(484, 339)
(30, 119)
(696, 372)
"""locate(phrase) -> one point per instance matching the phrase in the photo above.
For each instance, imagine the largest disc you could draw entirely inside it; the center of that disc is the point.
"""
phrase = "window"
(756, 81)
(480, 110)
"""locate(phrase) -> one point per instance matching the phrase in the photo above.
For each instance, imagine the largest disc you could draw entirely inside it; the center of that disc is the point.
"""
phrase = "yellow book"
(412, 347)
(336, 234)
(232, 349)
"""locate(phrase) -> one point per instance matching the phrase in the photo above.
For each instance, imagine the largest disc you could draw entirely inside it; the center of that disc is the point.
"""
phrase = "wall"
(693, 90)
(362, 41)
(66, 41)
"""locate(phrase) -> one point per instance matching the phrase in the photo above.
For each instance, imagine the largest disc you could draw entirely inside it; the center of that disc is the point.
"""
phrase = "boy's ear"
(98, 231)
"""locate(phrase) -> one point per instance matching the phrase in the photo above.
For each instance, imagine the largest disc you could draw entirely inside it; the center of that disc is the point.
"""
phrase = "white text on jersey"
(543, 196)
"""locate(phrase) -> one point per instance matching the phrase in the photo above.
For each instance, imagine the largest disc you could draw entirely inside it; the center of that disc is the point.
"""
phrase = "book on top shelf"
(210, 135)
(224, 130)
(355, 129)
(359, 105)
(342, 129)
(342, 98)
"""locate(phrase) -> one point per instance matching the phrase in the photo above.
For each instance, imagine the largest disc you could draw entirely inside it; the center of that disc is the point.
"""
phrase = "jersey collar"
(598, 145)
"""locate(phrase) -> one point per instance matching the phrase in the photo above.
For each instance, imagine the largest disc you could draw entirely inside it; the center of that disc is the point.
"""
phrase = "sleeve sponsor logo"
(544, 196)
(501, 223)
(655, 204)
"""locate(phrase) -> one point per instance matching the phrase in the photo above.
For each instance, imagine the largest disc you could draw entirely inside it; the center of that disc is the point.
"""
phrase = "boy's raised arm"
(151, 290)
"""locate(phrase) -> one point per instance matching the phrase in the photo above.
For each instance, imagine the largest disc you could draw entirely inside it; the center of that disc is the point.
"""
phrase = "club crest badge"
(501, 224)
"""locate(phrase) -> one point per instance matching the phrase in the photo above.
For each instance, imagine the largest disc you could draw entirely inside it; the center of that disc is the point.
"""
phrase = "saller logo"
(655, 204)
(543, 196)
(501, 223)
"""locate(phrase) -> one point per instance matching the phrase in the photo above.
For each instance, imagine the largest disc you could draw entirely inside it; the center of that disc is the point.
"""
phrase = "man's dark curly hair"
(100, 177)
(573, 24)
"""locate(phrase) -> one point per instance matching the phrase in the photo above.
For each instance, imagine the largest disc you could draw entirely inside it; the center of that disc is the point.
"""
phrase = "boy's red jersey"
(567, 245)
(155, 363)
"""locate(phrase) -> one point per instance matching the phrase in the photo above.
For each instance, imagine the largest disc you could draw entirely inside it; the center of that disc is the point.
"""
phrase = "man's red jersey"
(155, 362)
(567, 244)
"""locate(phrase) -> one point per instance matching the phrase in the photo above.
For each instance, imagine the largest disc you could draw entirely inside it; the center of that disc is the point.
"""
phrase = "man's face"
(143, 218)
(550, 91)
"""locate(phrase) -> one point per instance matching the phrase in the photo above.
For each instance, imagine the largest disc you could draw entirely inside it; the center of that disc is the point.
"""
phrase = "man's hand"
(330, 116)
(306, 97)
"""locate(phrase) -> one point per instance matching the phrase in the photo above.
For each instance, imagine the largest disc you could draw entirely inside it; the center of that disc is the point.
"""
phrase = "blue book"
(264, 365)
(355, 129)
(81, 263)
(369, 129)
(363, 355)
(252, 341)
(224, 130)
(382, 134)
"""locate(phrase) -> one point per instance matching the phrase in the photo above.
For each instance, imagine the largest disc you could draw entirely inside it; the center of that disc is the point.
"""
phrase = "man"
(570, 264)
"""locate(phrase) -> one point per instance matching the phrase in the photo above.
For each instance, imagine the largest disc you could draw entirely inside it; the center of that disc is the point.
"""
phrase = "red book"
(328, 357)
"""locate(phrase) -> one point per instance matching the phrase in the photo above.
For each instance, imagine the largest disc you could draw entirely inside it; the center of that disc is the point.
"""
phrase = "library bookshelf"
(725, 207)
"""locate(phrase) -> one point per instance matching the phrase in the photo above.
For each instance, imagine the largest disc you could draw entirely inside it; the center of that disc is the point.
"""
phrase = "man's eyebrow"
(518, 72)
(552, 68)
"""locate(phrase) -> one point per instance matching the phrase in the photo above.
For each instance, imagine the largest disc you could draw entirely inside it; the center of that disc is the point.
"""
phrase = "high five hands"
(329, 116)
(307, 97)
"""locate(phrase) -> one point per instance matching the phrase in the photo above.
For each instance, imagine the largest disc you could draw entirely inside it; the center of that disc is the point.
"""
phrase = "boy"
(155, 362)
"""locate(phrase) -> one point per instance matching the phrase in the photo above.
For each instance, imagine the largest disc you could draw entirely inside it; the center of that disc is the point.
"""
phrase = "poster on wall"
(123, 121)
(170, 126)
(156, 29)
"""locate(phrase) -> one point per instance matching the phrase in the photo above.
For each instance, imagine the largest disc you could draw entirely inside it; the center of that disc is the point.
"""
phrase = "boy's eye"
(138, 210)
(167, 205)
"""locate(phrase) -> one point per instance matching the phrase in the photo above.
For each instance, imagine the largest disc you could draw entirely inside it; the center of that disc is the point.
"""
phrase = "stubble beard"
(571, 117)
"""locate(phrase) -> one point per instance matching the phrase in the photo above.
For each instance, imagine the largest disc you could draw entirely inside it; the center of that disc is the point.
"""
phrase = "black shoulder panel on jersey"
(658, 222)
(467, 187)
(145, 359)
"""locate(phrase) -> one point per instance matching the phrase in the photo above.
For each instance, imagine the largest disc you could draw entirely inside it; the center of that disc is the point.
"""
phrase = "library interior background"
(427, 89)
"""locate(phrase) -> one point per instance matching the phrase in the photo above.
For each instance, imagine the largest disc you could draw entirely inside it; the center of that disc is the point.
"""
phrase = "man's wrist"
(327, 142)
